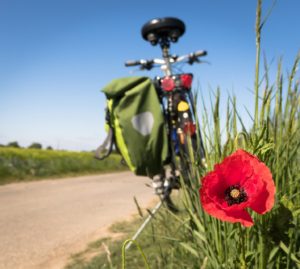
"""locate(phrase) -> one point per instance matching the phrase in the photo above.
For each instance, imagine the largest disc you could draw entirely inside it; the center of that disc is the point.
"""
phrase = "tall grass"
(274, 240)
(31, 164)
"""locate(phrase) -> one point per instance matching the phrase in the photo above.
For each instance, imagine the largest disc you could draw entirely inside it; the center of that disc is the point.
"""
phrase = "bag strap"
(104, 150)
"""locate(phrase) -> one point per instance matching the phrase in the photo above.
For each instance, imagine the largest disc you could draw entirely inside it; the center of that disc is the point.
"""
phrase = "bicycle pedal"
(166, 184)
(158, 192)
(157, 186)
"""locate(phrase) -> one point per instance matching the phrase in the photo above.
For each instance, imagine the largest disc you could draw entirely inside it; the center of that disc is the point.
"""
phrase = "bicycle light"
(168, 84)
(189, 128)
(186, 80)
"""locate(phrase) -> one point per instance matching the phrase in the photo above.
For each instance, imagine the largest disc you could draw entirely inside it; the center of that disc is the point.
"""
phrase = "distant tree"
(35, 146)
(13, 144)
(49, 148)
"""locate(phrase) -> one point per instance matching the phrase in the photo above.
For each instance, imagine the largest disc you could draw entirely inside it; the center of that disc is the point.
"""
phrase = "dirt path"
(42, 223)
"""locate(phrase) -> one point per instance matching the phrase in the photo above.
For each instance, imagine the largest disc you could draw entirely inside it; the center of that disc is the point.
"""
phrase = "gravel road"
(42, 223)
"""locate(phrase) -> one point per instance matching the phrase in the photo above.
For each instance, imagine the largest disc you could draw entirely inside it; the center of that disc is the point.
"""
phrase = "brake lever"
(148, 66)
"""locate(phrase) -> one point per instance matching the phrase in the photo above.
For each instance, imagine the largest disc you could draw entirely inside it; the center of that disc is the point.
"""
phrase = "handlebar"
(145, 64)
(148, 64)
(200, 53)
(132, 63)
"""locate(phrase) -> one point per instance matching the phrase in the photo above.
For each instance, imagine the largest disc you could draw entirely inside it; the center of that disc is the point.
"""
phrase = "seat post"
(165, 45)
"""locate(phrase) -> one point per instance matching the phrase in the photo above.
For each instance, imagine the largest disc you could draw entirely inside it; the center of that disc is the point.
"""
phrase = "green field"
(18, 164)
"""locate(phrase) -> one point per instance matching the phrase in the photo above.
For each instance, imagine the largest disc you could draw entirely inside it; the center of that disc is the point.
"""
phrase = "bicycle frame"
(176, 97)
(174, 118)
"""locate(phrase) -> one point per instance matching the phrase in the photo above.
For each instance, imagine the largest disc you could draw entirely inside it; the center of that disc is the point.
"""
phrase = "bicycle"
(178, 105)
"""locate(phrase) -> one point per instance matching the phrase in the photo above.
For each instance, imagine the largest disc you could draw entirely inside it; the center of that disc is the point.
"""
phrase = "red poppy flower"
(239, 182)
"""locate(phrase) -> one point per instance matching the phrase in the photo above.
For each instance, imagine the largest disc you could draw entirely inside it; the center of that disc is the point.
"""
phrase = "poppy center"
(235, 195)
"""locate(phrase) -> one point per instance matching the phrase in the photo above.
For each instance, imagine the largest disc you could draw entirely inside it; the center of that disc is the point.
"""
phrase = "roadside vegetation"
(194, 239)
(20, 164)
(105, 253)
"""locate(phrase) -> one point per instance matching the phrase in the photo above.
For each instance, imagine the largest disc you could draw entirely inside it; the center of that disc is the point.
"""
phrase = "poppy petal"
(241, 216)
(232, 216)
(214, 186)
(265, 198)
(235, 168)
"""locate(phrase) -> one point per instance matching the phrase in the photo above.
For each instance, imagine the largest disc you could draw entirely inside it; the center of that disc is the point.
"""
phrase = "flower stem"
(262, 263)
(263, 247)
(242, 243)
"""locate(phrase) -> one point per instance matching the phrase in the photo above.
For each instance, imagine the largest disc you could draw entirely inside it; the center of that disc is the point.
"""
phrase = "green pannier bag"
(136, 125)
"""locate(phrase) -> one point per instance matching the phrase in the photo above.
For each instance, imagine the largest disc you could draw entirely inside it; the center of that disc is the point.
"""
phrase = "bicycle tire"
(186, 168)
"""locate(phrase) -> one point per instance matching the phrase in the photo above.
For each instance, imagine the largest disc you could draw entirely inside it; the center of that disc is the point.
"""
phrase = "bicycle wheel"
(185, 149)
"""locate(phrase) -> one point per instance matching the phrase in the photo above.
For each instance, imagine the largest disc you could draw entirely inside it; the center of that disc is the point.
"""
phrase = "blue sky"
(56, 55)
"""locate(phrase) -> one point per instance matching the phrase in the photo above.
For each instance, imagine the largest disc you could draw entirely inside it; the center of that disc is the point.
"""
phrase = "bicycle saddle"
(163, 29)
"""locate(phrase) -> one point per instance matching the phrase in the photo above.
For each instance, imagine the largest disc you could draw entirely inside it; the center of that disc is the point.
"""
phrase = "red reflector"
(189, 128)
(168, 84)
(186, 81)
